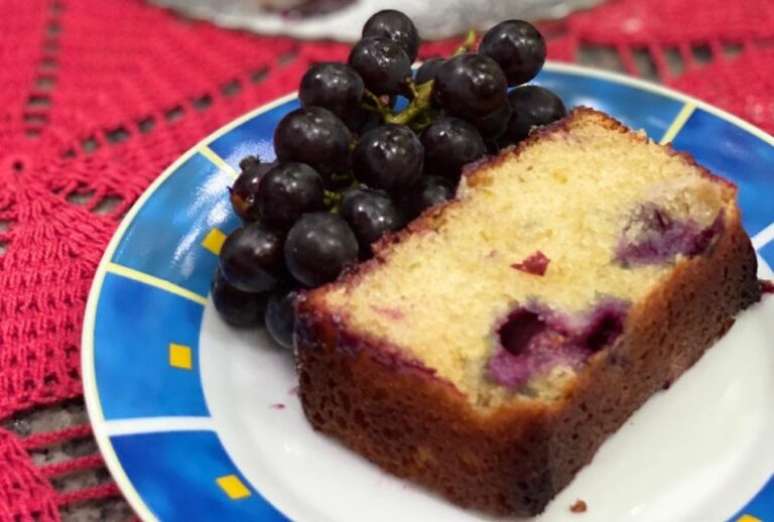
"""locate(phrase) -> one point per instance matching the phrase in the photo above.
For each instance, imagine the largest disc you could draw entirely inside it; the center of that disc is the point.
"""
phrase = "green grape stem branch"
(416, 113)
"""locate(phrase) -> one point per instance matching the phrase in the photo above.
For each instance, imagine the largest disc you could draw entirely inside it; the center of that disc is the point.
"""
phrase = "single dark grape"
(450, 143)
(280, 317)
(532, 106)
(286, 192)
(470, 86)
(518, 47)
(429, 192)
(314, 136)
(244, 192)
(361, 120)
(494, 125)
(383, 64)
(251, 258)
(370, 214)
(396, 26)
(333, 86)
(428, 70)
(319, 247)
(338, 88)
(249, 162)
(389, 157)
(236, 307)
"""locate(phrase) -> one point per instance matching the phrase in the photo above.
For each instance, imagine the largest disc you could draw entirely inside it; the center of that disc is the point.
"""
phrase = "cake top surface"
(506, 290)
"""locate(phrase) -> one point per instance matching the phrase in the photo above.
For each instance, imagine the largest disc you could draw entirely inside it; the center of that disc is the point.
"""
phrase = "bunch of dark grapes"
(351, 169)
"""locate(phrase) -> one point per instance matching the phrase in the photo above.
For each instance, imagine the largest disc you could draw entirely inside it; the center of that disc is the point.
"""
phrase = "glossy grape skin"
(338, 88)
(389, 157)
(251, 258)
(370, 214)
(314, 136)
(450, 143)
(319, 247)
(286, 192)
(396, 26)
(237, 308)
(383, 64)
(280, 316)
(494, 125)
(361, 121)
(518, 47)
(428, 70)
(249, 162)
(333, 86)
(532, 106)
(470, 86)
(244, 192)
(430, 191)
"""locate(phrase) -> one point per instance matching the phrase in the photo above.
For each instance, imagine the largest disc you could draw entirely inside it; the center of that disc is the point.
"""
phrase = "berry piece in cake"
(535, 264)
(534, 339)
(603, 325)
(652, 236)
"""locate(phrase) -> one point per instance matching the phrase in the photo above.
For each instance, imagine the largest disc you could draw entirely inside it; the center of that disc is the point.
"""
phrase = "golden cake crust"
(514, 459)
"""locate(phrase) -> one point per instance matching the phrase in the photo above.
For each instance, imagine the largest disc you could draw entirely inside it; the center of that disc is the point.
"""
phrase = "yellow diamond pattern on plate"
(180, 356)
(234, 488)
(213, 241)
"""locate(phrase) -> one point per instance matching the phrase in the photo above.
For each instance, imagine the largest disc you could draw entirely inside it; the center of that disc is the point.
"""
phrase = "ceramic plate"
(200, 421)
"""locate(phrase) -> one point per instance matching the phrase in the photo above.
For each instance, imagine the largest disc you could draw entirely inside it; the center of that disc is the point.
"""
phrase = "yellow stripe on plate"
(678, 123)
(156, 282)
(216, 160)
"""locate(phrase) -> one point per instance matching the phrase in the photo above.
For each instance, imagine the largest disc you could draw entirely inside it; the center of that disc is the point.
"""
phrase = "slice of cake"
(491, 347)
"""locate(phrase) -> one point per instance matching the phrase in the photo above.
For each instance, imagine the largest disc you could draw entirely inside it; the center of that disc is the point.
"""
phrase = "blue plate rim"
(88, 370)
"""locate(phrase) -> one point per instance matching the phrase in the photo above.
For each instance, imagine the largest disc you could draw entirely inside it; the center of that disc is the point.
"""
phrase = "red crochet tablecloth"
(97, 97)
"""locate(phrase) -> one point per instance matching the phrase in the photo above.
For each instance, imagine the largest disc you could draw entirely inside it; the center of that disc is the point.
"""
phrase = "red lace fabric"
(98, 96)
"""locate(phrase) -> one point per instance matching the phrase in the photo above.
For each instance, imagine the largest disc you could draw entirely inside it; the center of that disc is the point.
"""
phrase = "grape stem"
(379, 106)
(420, 102)
(418, 105)
(331, 200)
(467, 44)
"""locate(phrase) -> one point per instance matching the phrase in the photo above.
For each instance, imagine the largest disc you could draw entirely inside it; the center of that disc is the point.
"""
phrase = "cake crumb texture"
(575, 195)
